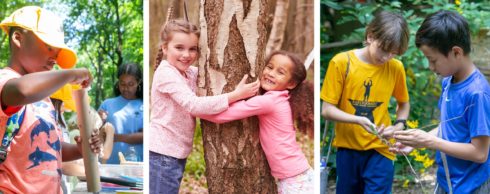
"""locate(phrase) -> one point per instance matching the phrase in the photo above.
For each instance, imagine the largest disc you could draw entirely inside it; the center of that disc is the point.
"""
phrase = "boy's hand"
(82, 77)
(366, 124)
(94, 141)
(245, 90)
(399, 148)
(388, 132)
(415, 138)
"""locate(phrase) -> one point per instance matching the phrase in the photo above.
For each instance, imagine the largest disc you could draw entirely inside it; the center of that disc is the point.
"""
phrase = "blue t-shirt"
(468, 103)
(127, 117)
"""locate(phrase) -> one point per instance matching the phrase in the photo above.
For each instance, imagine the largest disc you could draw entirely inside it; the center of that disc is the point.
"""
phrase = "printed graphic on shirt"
(39, 156)
(12, 128)
(364, 107)
(41, 127)
(45, 140)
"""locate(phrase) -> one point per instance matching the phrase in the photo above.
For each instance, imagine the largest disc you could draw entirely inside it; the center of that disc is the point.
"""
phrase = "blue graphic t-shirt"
(467, 105)
(127, 117)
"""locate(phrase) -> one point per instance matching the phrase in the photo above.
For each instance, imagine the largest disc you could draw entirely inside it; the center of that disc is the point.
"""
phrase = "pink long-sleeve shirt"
(277, 133)
(173, 102)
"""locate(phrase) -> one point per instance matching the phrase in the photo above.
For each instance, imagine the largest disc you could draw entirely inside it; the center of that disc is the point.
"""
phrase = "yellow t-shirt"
(365, 92)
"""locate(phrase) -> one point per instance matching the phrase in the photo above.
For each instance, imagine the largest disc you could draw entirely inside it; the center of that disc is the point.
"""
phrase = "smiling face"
(34, 54)
(277, 74)
(182, 50)
(440, 64)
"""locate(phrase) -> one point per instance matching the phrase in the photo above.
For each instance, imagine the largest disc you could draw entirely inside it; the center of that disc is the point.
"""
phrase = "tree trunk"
(300, 27)
(158, 14)
(278, 26)
(232, 43)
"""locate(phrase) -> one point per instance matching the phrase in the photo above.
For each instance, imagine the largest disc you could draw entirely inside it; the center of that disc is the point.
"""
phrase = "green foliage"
(346, 21)
(106, 34)
(7, 9)
(195, 165)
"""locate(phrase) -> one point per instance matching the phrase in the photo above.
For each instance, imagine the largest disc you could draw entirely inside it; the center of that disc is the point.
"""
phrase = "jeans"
(165, 173)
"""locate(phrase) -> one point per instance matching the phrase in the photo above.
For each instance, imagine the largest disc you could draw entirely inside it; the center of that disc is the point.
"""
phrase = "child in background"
(356, 92)
(174, 102)
(283, 74)
(32, 146)
(125, 112)
(463, 134)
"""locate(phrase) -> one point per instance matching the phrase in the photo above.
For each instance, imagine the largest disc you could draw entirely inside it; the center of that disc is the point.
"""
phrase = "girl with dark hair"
(125, 112)
(129, 70)
(282, 76)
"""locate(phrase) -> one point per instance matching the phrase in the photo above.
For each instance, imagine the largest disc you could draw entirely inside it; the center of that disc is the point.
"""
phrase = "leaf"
(331, 4)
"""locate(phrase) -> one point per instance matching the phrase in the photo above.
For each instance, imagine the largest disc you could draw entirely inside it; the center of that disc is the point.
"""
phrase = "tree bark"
(278, 26)
(300, 27)
(158, 14)
(232, 43)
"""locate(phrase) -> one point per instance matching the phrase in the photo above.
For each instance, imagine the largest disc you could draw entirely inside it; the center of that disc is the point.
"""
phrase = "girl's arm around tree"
(193, 104)
(242, 109)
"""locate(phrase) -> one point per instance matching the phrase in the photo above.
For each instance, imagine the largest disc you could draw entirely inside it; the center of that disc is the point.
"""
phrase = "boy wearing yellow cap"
(30, 149)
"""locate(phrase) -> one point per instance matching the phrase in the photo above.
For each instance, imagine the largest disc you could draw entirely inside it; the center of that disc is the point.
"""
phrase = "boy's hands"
(388, 132)
(82, 77)
(95, 142)
(366, 124)
(400, 148)
(415, 138)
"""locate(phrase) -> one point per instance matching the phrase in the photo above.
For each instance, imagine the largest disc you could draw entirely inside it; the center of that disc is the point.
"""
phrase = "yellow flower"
(428, 163)
(420, 158)
(413, 124)
(457, 2)
(415, 152)
(405, 184)
(460, 11)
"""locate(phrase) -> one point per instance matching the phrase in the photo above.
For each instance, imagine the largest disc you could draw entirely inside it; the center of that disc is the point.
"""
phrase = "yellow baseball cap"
(46, 26)
(64, 94)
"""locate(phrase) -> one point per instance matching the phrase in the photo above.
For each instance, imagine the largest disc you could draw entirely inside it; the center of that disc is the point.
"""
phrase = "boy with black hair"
(463, 134)
(31, 148)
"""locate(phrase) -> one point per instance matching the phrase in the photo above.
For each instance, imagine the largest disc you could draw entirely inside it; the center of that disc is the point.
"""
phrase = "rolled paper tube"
(85, 125)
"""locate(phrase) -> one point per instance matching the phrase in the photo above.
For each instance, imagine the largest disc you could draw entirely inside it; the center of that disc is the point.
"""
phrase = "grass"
(194, 179)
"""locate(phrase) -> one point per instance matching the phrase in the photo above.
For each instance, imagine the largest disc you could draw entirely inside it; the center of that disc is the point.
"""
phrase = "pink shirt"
(173, 102)
(277, 133)
(33, 163)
